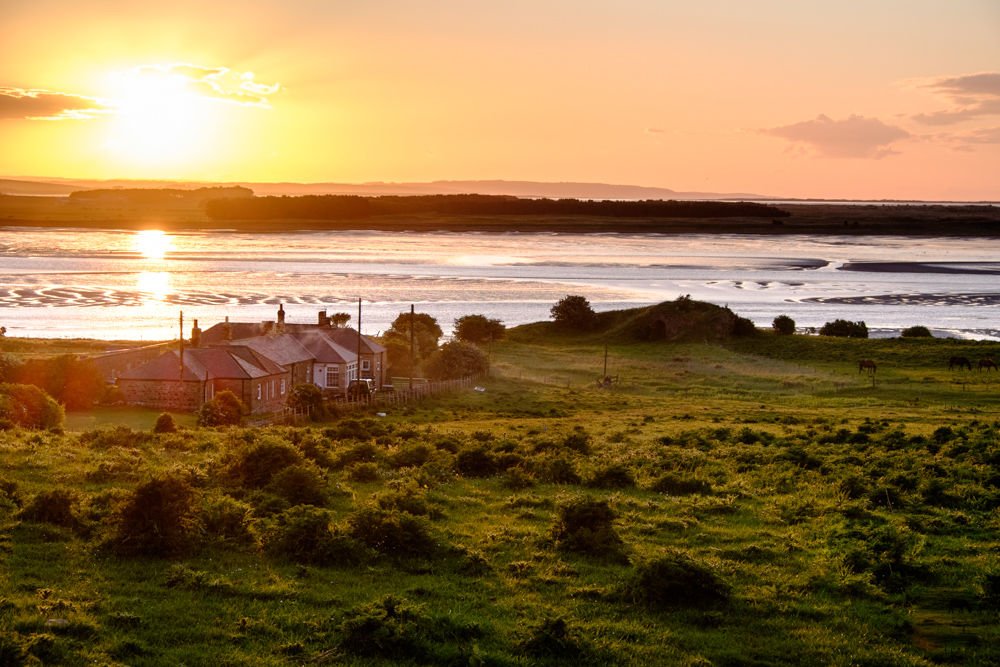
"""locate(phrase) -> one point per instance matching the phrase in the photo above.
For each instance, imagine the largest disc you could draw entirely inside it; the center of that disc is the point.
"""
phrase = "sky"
(862, 99)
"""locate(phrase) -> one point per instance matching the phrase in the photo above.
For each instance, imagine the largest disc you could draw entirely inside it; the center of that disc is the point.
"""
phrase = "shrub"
(411, 456)
(844, 329)
(681, 485)
(387, 628)
(305, 534)
(916, 332)
(517, 479)
(614, 476)
(584, 525)
(456, 360)
(783, 325)
(479, 329)
(476, 462)
(306, 396)
(559, 471)
(362, 472)
(223, 410)
(227, 519)
(158, 518)
(363, 452)
(118, 435)
(551, 638)
(253, 466)
(29, 407)
(574, 313)
(673, 580)
(299, 485)
(165, 424)
(392, 532)
(11, 492)
(743, 326)
(54, 507)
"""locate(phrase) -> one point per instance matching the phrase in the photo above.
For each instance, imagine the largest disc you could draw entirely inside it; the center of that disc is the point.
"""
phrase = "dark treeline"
(348, 207)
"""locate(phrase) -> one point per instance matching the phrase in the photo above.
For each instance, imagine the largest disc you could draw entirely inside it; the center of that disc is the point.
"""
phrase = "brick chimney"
(324, 321)
(227, 330)
(281, 319)
(195, 335)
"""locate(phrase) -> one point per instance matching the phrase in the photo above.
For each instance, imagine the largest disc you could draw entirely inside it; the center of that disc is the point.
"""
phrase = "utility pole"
(359, 344)
(181, 377)
(412, 357)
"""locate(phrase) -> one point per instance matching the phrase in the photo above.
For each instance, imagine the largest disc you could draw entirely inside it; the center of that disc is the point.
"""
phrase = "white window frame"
(282, 386)
(366, 364)
(258, 391)
(332, 373)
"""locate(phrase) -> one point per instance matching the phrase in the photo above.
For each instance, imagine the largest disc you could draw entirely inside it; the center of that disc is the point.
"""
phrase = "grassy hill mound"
(683, 320)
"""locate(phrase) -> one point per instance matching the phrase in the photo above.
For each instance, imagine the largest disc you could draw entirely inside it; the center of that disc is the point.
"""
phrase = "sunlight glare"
(154, 286)
(153, 243)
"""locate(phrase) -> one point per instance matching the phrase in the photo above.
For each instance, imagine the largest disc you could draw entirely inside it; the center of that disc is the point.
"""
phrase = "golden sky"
(854, 98)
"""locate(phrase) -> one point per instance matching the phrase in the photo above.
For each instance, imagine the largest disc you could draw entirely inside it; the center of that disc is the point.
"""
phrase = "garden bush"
(223, 410)
(165, 424)
(307, 396)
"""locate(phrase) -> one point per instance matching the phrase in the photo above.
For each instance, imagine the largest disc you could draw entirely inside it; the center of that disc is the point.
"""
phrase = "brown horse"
(959, 361)
(866, 365)
(987, 364)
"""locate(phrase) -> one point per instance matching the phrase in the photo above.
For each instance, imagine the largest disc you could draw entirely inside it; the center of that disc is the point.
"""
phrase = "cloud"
(966, 142)
(37, 104)
(655, 130)
(852, 137)
(973, 95)
(214, 82)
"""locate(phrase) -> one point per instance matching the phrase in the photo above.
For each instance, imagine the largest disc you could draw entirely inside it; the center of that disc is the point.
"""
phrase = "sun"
(160, 121)
(153, 243)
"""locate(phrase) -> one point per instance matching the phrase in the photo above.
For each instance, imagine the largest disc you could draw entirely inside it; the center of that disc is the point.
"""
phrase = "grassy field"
(754, 503)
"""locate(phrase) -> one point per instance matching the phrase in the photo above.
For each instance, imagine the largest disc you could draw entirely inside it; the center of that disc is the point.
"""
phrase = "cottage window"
(366, 365)
(272, 389)
(282, 386)
(258, 392)
(332, 376)
(352, 371)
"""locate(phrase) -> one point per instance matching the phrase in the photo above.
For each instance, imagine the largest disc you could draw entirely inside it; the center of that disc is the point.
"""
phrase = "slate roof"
(283, 350)
(325, 350)
(202, 363)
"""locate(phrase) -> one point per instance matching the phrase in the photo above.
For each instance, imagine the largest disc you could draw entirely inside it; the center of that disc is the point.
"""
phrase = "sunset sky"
(855, 99)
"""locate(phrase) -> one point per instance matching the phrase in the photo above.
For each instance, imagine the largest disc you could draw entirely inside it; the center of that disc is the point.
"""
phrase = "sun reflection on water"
(153, 243)
(154, 286)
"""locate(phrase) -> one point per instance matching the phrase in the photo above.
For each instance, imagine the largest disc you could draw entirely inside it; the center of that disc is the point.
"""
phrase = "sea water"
(131, 285)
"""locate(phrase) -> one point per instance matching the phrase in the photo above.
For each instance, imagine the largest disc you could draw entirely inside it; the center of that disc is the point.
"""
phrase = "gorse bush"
(584, 525)
(916, 332)
(299, 485)
(118, 435)
(674, 580)
(614, 476)
(307, 535)
(160, 518)
(253, 465)
(676, 484)
(54, 507)
(392, 532)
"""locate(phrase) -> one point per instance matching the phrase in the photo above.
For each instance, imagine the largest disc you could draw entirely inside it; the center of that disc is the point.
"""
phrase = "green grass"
(138, 419)
(841, 517)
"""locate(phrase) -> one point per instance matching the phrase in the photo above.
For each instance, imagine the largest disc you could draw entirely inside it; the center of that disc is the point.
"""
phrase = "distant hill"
(64, 186)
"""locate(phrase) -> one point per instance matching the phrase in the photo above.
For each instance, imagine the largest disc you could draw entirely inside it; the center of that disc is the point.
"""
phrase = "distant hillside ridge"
(346, 207)
(153, 196)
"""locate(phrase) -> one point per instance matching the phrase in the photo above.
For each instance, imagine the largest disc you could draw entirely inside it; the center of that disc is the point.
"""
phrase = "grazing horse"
(959, 361)
(987, 364)
(866, 365)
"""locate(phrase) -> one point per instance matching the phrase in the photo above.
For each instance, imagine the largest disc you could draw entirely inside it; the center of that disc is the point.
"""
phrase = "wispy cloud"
(216, 82)
(851, 137)
(655, 130)
(973, 96)
(37, 104)
(966, 142)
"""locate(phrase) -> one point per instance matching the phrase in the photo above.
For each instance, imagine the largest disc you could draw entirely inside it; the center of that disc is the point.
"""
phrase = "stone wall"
(114, 364)
(159, 395)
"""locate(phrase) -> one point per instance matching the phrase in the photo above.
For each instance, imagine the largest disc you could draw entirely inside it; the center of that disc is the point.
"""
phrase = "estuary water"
(131, 285)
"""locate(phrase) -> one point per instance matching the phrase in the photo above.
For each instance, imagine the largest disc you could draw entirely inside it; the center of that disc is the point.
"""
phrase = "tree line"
(347, 207)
